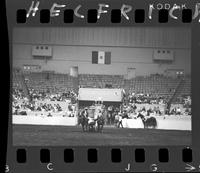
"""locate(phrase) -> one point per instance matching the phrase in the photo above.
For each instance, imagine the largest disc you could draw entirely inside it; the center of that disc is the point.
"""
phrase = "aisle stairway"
(177, 91)
(25, 87)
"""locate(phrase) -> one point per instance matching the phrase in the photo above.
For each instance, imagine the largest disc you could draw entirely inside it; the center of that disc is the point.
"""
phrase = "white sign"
(94, 94)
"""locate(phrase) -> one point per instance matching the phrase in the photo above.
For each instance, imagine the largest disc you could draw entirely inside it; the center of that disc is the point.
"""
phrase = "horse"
(87, 123)
(91, 124)
(83, 121)
(100, 123)
(149, 122)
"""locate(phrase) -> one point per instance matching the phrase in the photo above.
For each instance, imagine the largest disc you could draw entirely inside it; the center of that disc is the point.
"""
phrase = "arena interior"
(127, 75)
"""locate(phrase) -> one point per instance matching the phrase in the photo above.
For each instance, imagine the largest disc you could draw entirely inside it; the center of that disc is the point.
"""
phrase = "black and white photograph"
(101, 86)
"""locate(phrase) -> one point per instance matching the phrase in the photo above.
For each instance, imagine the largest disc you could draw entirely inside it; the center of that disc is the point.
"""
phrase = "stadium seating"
(43, 81)
(155, 84)
(101, 81)
(16, 79)
(184, 90)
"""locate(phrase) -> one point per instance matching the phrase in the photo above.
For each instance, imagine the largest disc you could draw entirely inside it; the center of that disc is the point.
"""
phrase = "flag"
(101, 57)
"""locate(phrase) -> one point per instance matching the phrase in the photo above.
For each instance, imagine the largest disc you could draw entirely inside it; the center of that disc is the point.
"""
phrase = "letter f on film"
(100, 10)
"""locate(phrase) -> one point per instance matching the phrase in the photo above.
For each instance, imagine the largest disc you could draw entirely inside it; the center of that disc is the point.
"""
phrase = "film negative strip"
(103, 86)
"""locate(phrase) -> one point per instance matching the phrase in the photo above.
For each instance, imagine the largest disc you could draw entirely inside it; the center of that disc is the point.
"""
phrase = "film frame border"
(146, 12)
(195, 89)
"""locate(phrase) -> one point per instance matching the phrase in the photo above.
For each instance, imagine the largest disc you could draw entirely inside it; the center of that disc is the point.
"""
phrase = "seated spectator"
(49, 115)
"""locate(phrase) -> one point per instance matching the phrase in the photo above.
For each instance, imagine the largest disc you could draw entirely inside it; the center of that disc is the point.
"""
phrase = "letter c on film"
(50, 166)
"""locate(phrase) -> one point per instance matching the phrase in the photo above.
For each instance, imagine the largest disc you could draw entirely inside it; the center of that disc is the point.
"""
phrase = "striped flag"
(101, 57)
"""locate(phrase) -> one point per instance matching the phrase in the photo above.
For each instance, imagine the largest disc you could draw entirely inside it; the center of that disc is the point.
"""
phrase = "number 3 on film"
(7, 168)
(50, 166)
(154, 167)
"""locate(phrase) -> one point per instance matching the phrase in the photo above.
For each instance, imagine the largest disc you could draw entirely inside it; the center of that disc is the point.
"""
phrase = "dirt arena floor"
(40, 135)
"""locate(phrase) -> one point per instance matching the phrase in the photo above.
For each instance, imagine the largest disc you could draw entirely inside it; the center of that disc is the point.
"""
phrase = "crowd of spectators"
(131, 110)
(17, 94)
(40, 101)
(48, 95)
(128, 109)
(141, 98)
(132, 98)
(36, 95)
(22, 108)
(137, 104)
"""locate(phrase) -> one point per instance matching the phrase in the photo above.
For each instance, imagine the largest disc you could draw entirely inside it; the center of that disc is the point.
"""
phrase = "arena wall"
(74, 48)
(164, 123)
(33, 120)
(169, 123)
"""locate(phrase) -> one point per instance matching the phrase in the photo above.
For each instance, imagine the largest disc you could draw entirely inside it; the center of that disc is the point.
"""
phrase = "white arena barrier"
(167, 123)
(39, 120)
(132, 123)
